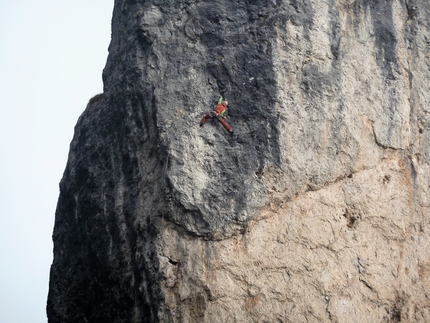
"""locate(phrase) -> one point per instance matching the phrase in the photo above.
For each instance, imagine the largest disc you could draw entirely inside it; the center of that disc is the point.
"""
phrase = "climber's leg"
(225, 125)
(204, 119)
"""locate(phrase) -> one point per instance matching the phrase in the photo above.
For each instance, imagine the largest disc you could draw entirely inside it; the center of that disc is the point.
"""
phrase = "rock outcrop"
(316, 209)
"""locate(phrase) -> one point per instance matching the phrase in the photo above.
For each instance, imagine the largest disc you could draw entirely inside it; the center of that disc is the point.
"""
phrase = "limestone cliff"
(316, 209)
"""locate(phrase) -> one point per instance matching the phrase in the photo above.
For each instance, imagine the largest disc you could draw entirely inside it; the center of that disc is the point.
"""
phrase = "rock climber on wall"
(218, 112)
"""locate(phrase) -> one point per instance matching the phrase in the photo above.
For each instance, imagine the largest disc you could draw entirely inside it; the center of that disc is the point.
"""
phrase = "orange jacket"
(220, 110)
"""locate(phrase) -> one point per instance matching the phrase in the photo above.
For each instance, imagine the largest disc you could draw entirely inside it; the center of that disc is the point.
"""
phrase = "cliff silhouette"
(316, 208)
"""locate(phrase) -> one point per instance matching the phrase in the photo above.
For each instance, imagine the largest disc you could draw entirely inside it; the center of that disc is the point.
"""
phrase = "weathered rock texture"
(317, 209)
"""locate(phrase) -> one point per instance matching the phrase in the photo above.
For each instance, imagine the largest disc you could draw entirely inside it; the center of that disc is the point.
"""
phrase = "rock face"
(316, 209)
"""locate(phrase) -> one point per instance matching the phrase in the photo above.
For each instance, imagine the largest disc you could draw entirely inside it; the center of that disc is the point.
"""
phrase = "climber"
(218, 112)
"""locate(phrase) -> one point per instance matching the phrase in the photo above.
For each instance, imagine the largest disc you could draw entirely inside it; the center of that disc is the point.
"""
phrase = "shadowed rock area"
(316, 209)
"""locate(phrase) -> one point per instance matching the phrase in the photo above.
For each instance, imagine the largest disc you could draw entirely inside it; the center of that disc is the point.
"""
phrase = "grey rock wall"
(316, 209)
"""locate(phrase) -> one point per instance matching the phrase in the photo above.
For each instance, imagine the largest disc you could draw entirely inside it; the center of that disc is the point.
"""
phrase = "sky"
(52, 54)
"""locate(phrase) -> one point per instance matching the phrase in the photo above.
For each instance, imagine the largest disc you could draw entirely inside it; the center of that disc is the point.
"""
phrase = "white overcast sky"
(52, 54)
